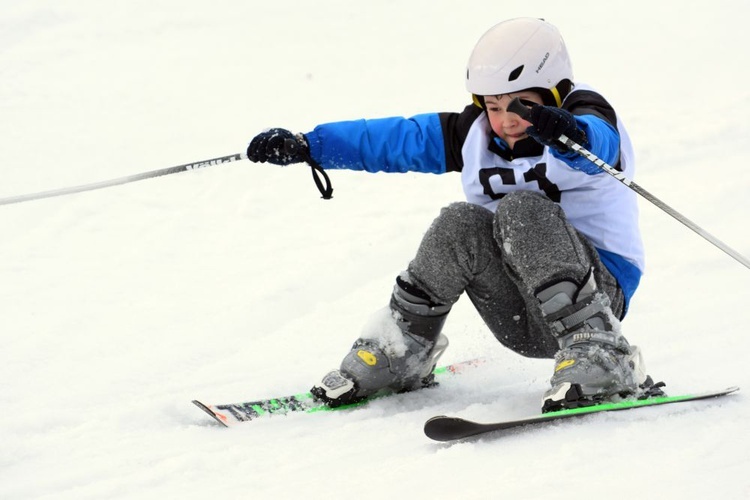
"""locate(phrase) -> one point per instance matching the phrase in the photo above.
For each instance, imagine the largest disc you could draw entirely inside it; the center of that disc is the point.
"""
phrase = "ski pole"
(518, 108)
(122, 180)
(324, 190)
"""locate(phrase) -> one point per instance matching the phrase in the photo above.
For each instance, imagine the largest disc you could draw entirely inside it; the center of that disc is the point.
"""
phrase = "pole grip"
(517, 107)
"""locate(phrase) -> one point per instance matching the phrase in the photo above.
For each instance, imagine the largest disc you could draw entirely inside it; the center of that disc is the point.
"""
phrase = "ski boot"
(595, 362)
(397, 351)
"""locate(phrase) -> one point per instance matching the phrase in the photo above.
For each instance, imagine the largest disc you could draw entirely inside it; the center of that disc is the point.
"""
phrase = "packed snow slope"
(237, 281)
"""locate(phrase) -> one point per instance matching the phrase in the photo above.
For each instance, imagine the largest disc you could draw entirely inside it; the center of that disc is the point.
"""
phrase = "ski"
(232, 414)
(443, 428)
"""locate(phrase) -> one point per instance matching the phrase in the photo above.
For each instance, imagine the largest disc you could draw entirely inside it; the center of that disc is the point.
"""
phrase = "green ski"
(232, 414)
(444, 428)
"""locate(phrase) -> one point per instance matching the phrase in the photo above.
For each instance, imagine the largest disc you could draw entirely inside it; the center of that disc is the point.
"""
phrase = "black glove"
(277, 146)
(549, 123)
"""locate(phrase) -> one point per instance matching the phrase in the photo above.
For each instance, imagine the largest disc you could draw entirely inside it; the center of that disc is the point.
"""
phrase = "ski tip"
(435, 428)
(443, 428)
(216, 416)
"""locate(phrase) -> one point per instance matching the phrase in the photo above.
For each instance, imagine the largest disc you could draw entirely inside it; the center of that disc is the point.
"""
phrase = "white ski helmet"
(519, 54)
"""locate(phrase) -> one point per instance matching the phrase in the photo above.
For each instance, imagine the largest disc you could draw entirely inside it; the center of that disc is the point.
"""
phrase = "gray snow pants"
(502, 260)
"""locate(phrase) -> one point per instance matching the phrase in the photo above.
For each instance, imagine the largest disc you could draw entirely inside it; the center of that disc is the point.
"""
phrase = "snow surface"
(238, 281)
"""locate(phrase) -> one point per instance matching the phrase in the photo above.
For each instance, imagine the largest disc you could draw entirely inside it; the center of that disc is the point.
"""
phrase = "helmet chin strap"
(556, 95)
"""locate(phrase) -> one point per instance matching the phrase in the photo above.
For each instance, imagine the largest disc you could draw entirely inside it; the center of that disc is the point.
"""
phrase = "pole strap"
(326, 190)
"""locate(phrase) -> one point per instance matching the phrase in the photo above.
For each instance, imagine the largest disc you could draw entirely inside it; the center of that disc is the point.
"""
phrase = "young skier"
(547, 247)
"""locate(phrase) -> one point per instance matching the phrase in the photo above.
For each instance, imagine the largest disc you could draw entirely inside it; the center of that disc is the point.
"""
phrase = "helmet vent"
(515, 73)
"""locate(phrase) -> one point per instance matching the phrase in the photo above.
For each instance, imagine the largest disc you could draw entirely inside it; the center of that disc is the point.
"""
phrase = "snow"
(237, 281)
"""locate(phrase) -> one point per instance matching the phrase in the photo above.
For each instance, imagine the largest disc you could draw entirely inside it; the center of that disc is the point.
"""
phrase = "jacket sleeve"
(429, 143)
(381, 145)
(596, 117)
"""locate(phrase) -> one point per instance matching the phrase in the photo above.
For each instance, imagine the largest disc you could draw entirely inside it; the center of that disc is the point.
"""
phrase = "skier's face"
(509, 126)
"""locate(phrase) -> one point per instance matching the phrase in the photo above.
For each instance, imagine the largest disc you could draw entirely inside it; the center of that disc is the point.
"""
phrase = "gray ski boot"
(397, 351)
(595, 362)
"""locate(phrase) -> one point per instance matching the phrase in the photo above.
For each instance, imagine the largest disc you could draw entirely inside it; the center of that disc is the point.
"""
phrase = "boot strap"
(571, 317)
(595, 336)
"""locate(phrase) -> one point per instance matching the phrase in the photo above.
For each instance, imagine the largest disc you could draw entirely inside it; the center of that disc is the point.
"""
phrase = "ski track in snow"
(237, 282)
